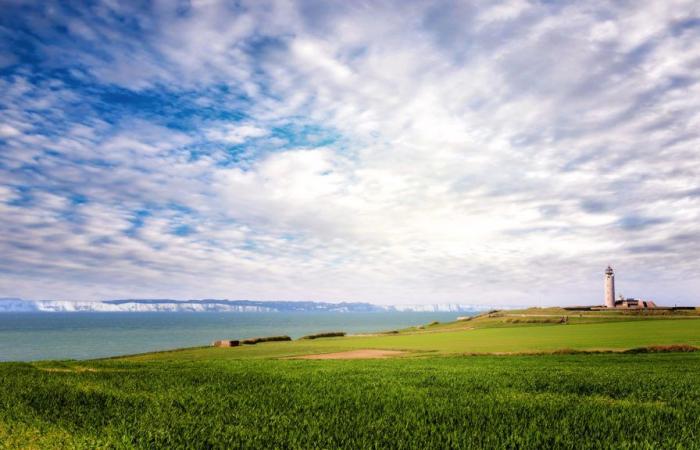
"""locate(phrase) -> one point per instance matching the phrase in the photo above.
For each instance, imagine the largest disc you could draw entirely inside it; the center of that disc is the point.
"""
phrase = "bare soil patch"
(355, 354)
(68, 369)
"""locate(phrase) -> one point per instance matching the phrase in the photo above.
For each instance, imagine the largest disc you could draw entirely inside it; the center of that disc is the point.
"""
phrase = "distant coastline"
(220, 305)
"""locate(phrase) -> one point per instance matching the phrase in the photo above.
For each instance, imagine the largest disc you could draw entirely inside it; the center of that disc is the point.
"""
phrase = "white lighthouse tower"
(609, 288)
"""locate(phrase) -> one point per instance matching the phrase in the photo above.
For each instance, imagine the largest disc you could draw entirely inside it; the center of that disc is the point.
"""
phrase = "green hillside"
(500, 334)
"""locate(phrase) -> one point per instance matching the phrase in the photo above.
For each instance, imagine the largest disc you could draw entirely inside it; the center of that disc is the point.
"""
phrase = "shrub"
(257, 340)
(324, 335)
(663, 349)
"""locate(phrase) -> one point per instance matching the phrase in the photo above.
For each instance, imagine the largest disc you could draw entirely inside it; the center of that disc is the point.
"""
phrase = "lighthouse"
(609, 288)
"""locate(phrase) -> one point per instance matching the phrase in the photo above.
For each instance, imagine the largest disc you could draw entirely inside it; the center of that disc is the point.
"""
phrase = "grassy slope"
(489, 339)
(572, 401)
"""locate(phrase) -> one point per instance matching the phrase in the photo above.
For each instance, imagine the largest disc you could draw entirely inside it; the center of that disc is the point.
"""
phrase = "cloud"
(235, 134)
(604, 32)
(486, 152)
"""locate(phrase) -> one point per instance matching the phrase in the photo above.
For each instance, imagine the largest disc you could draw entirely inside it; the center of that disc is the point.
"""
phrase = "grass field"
(573, 401)
(448, 340)
(253, 397)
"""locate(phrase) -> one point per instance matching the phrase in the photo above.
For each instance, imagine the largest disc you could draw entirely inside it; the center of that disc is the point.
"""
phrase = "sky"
(476, 152)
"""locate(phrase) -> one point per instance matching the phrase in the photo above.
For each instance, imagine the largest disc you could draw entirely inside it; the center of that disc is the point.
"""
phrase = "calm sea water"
(38, 336)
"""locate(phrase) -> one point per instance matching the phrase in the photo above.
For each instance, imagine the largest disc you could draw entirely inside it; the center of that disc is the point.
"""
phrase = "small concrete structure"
(627, 303)
(226, 343)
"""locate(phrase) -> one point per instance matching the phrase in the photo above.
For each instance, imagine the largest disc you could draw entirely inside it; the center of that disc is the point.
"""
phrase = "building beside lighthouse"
(621, 303)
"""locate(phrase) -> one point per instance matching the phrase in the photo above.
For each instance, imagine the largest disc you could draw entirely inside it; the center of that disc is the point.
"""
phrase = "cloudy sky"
(395, 152)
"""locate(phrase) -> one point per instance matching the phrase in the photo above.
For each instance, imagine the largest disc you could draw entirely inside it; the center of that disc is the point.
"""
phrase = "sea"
(32, 336)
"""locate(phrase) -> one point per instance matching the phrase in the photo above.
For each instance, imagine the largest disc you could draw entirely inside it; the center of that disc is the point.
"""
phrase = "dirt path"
(355, 354)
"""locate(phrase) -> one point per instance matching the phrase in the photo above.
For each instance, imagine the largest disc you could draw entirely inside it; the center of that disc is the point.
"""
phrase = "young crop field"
(568, 401)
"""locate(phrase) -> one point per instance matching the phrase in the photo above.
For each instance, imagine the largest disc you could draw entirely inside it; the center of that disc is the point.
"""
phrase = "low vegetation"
(324, 335)
(257, 340)
(664, 349)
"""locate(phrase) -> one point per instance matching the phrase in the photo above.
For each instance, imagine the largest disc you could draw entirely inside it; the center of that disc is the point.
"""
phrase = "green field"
(432, 397)
(480, 336)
